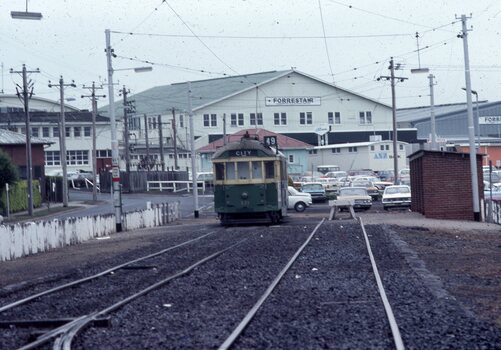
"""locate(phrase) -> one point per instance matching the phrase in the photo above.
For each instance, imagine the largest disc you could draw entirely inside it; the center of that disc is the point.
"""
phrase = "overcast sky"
(247, 36)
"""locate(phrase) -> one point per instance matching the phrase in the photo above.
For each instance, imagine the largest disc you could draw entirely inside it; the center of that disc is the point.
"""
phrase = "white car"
(359, 196)
(396, 196)
(297, 200)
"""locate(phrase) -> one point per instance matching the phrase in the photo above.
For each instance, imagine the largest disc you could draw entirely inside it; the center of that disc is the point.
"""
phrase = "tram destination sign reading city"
(293, 101)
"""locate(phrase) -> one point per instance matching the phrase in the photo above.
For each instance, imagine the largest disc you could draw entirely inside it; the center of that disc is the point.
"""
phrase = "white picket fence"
(35, 237)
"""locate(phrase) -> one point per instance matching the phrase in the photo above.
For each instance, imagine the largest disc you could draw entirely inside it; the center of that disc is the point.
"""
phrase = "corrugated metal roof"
(284, 142)
(356, 144)
(8, 137)
(204, 92)
(424, 112)
(159, 99)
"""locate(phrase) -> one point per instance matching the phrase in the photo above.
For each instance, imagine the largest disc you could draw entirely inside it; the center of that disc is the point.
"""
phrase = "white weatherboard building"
(45, 118)
(288, 102)
(375, 155)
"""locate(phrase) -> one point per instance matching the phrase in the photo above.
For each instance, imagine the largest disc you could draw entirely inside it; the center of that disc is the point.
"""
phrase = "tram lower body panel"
(250, 202)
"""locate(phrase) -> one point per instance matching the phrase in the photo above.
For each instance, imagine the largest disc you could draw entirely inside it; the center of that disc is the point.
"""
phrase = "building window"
(305, 118)
(256, 120)
(77, 131)
(352, 149)
(103, 153)
(55, 131)
(312, 151)
(387, 147)
(34, 132)
(280, 118)
(366, 117)
(334, 118)
(68, 132)
(181, 121)
(372, 148)
(291, 158)
(134, 123)
(401, 147)
(45, 132)
(52, 158)
(210, 120)
(381, 147)
(336, 150)
(23, 131)
(87, 131)
(77, 157)
(237, 121)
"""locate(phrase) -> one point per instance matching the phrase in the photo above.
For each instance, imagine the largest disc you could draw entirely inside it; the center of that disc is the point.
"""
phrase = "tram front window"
(219, 171)
(230, 171)
(269, 170)
(243, 170)
(257, 170)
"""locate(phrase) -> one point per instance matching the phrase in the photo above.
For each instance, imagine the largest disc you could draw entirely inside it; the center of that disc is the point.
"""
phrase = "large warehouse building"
(288, 102)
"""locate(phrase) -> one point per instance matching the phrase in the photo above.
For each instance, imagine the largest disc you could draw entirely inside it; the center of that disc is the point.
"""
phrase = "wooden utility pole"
(25, 95)
(94, 148)
(392, 78)
(161, 142)
(147, 142)
(174, 131)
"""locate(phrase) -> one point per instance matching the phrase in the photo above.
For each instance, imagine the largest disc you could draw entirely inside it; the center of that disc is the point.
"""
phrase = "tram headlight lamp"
(244, 195)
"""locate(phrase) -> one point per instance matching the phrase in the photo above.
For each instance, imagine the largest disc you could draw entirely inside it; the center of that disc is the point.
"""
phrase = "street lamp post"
(26, 14)
(115, 169)
(477, 119)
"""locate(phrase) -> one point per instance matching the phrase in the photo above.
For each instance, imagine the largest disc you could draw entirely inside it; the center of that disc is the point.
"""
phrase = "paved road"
(131, 202)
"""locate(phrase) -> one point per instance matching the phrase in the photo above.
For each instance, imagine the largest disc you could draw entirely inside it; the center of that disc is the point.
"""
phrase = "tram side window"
(243, 170)
(230, 171)
(219, 171)
(269, 170)
(257, 170)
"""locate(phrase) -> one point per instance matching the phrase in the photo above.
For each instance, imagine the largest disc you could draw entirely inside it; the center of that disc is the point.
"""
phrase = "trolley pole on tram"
(193, 155)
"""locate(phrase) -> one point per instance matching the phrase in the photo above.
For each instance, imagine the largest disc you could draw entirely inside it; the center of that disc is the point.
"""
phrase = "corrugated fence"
(35, 237)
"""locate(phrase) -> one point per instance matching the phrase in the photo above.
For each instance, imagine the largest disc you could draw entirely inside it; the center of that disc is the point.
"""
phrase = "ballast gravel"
(328, 300)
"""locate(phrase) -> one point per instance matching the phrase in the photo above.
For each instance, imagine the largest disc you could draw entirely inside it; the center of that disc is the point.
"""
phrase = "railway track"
(66, 328)
(247, 319)
(304, 284)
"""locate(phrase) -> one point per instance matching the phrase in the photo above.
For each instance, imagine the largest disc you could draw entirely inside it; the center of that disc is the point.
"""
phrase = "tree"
(8, 170)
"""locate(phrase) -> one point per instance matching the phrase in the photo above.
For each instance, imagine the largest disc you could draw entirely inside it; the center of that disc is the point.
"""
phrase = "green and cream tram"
(250, 183)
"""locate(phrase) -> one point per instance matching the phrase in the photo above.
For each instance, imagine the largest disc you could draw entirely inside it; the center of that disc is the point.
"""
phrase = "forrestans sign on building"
(293, 101)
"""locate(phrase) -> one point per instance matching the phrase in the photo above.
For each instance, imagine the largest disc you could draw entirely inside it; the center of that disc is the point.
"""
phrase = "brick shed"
(441, 184)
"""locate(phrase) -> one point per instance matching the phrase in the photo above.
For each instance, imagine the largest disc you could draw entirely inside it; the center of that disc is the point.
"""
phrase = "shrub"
(8, 171)
(18, 196)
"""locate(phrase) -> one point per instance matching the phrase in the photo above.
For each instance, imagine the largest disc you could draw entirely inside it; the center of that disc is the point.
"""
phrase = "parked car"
(404, 177)
(79, 178)
(396, 196)
(359, 196)
(298, 201)
(386, 175)
(495, 176)
(496, 191)
(336, 174)
(316, 190)
(372, 190)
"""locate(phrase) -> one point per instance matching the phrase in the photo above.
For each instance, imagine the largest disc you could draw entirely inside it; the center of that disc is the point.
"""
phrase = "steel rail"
(100, 274)
(68, 331)
(397, 338)
(245, 321)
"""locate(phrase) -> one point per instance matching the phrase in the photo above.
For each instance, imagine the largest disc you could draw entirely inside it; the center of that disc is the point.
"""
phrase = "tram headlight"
(244, 195)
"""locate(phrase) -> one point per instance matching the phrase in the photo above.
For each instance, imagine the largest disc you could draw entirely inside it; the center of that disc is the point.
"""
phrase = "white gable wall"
(295, 85)
(364, 157)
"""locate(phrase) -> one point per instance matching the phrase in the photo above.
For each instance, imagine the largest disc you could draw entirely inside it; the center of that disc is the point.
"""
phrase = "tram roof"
(244, 144)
